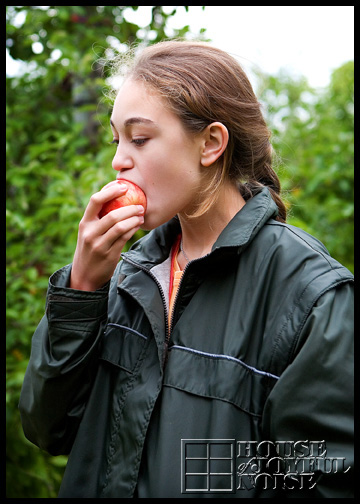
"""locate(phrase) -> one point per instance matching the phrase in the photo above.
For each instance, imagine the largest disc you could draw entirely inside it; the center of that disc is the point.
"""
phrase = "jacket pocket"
(220, 377)
(122, 347)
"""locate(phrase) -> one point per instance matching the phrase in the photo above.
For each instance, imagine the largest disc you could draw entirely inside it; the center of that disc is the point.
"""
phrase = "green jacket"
(251, 394)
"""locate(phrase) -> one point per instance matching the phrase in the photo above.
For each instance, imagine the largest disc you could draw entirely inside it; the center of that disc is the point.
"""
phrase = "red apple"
(133, 196)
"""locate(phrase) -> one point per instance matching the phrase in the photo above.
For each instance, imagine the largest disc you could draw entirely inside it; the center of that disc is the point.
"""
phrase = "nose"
(122, 160)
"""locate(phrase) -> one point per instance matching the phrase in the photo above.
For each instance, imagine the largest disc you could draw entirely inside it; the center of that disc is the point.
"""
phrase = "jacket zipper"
(175, 300)
(167, 329)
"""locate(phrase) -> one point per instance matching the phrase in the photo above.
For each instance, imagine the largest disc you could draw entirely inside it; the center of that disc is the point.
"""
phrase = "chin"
(148, 225)
(151, 223)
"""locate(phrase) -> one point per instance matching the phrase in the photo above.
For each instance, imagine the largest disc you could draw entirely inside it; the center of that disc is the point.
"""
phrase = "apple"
(133, 196)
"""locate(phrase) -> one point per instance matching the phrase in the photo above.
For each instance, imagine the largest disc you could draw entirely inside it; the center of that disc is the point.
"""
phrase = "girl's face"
(155, 152)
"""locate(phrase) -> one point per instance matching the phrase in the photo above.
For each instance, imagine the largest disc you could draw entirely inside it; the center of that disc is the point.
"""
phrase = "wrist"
(81, 284)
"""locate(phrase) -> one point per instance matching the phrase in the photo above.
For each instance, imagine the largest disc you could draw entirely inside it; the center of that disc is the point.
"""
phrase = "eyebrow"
(135, 120)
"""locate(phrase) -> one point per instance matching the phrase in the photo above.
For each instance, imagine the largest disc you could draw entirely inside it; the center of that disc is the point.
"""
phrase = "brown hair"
(203, 84)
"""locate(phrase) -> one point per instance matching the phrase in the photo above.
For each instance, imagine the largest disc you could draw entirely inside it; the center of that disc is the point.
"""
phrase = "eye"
(139, 142)
(115, 141)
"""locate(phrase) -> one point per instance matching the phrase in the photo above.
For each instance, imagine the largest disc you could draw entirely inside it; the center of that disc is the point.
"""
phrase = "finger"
(118, 215)
(120, 241)
(122, 229)
(98, 199)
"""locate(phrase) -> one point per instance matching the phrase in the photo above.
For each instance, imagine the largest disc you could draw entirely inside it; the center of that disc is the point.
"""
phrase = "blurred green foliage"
(313, 134)
(57, 155)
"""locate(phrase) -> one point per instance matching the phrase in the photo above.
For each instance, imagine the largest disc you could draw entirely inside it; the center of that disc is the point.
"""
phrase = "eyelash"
(139, 142)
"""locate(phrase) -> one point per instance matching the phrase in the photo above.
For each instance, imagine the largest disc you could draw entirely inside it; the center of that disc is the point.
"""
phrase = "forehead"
(135, 100)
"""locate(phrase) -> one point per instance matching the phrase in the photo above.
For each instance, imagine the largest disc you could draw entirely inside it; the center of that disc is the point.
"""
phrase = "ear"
(215, 140)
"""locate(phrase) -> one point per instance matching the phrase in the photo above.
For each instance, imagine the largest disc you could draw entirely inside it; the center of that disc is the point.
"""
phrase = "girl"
(222, 328)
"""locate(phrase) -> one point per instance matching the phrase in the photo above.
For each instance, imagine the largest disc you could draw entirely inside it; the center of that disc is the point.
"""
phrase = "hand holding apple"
(121, 209)
(133, 196)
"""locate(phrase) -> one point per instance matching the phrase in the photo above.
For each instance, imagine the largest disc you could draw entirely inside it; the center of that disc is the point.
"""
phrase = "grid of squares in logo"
(208, 465)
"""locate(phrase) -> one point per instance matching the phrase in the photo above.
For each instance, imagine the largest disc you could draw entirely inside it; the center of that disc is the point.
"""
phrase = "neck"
(199, 234)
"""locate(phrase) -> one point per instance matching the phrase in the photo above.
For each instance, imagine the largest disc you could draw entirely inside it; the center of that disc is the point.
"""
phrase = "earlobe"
(215, 142)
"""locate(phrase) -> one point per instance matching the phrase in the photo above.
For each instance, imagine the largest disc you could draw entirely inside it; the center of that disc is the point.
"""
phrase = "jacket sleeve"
(62, 364)
(313, 399)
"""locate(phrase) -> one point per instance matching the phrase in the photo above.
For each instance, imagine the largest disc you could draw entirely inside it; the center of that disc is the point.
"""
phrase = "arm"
(62, 364)
(313, 399)
(64, 351)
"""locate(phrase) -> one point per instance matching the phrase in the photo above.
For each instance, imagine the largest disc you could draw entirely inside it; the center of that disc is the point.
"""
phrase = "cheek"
(174, 177)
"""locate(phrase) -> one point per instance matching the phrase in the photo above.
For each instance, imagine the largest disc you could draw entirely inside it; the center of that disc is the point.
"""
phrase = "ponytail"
(269, 179)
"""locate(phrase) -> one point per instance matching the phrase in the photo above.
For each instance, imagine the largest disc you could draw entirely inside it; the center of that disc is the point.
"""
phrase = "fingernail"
(140, 209)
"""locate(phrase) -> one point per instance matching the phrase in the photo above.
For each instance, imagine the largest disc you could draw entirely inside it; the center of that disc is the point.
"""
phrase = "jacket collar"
(155, 247)
(245, 225)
